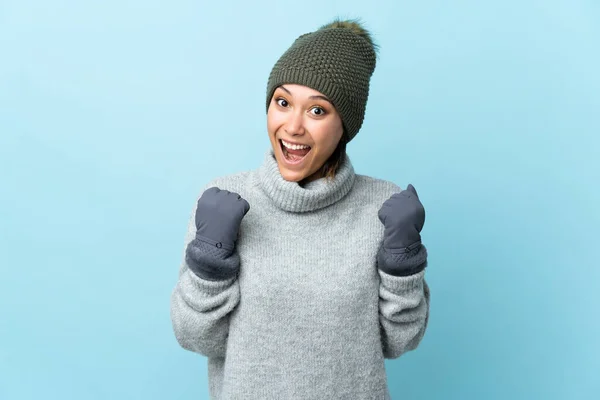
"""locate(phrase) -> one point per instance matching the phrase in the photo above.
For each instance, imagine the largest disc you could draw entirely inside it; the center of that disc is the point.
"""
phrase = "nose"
(295, 124)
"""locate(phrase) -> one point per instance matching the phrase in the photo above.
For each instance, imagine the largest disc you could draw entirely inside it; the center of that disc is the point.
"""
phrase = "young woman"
(301, 276)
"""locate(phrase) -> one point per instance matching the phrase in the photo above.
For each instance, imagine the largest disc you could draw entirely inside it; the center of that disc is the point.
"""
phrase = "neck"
(309, 179)
(311, 194)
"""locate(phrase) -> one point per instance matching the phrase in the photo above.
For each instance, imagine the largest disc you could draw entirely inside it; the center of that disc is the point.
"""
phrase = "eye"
(282, 102)
(318, 111)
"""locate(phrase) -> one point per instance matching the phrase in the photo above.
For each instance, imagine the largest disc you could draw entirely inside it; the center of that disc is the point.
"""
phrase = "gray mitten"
(403, 217)
(218, 218)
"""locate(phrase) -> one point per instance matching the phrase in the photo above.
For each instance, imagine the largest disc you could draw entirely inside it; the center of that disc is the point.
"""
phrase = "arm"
(401, 261)
(403, 300)
(204, 296)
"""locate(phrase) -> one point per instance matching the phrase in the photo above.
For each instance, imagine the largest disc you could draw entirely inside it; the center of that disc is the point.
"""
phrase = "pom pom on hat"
(355, 26)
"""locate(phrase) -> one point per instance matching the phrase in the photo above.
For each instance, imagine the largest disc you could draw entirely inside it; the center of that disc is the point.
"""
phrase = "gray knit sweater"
(310, 315)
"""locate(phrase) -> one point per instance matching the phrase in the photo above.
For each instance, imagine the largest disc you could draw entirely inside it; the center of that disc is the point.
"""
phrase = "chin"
(291, 176)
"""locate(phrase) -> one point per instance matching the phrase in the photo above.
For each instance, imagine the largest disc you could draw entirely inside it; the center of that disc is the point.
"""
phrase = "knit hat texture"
(337, 60)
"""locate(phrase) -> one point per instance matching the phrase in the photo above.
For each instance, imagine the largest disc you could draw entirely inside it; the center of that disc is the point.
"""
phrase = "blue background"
(114, 114)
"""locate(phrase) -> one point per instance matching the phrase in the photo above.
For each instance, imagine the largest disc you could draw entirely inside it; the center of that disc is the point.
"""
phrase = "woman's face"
(304, 129)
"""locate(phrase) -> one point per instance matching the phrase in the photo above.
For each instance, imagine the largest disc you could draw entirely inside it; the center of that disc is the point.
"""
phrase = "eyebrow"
(316, 97)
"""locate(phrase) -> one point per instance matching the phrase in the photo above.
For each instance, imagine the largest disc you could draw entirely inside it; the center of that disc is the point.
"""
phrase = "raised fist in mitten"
(218, 217)
(403, 217)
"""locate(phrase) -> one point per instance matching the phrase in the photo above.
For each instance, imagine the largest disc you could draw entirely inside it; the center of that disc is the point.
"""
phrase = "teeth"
(294, 146)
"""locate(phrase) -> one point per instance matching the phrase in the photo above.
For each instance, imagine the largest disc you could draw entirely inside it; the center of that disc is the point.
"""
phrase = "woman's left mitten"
(403, 217)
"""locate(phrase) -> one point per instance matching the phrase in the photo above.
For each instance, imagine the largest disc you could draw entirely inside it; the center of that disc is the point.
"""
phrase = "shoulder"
(233, 182)
(374, 189)
(383, 186)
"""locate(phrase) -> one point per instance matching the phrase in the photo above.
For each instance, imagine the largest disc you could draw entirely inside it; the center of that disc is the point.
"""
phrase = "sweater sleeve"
(403, 312)
(200, 308)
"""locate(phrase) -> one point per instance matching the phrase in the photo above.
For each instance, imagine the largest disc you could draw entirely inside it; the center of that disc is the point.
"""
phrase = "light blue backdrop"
(113, 114)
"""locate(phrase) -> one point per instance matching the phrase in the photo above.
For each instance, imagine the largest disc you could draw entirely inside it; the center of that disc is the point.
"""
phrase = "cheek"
(274, 121)
(327, 136)
(269, 126)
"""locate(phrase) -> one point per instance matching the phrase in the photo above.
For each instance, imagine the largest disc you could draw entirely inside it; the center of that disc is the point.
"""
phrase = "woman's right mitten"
(211, 255)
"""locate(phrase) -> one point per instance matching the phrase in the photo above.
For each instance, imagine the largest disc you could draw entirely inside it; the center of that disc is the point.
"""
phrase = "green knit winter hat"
(337, 60)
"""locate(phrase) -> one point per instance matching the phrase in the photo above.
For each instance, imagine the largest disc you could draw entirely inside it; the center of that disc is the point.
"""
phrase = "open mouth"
(294, 154)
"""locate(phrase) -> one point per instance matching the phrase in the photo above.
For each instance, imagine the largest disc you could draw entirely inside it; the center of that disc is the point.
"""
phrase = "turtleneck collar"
(290, 196)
